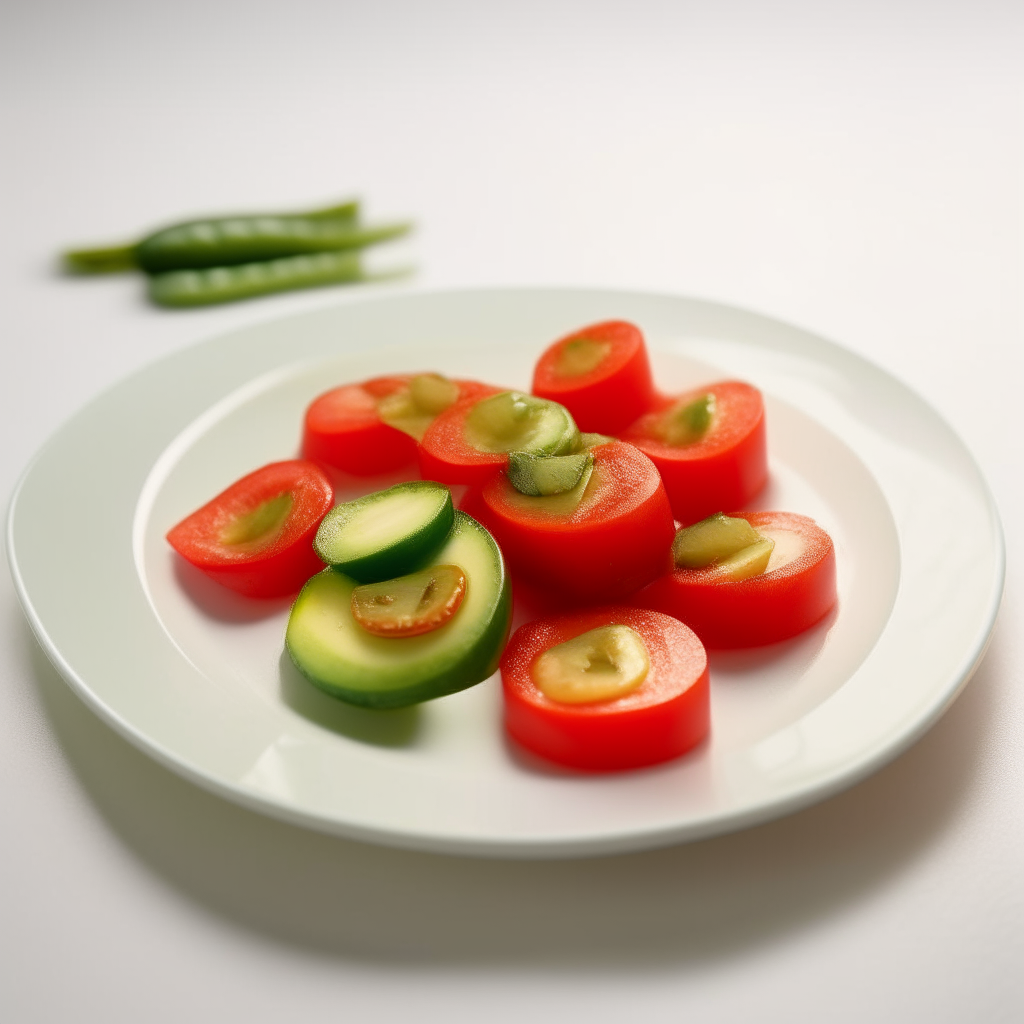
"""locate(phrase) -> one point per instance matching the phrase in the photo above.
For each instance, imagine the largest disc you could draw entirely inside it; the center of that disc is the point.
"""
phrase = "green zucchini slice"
(336, 654)
(386, 534)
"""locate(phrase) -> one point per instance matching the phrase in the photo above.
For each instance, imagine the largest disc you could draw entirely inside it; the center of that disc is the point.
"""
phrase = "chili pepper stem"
(108, 260)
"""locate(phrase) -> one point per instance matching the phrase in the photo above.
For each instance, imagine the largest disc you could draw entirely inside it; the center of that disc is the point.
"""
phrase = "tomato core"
(581, 356)
(602, 664)
(258, 528)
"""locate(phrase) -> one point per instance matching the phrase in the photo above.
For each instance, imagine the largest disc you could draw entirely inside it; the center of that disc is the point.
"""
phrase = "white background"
(855, 168)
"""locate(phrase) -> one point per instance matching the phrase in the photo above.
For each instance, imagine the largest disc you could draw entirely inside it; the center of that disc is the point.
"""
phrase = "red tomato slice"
(257, 536)
(725, 468)
(615, 541)
(763, 609)
(607, 397)
(445, 454)
(343, 427)
(667, 716)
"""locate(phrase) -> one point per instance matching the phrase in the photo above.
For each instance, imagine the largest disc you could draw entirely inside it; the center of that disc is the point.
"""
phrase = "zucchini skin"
(445, 673)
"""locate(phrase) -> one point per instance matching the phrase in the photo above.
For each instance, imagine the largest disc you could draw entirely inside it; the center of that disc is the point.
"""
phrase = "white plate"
(195, 676)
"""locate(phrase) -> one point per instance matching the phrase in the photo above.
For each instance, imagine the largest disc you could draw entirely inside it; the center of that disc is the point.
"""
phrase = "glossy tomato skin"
(726, 468)
(615, 393)
(343, 428)
(277, 568)
(667, 716)
(615, 542)
(763, 609)
(444, 453)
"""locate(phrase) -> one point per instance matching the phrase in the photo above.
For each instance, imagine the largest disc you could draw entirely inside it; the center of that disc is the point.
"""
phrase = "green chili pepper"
(226, 241)
(226, 284)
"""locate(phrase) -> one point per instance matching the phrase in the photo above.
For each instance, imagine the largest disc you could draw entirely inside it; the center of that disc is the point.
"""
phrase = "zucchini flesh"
(386, 534)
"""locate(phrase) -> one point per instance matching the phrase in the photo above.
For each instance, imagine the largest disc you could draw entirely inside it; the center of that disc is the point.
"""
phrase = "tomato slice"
(601, 374)
(665, 717)
(725, 467)
(609, 544)
(447, 457)
(257, 536)
(797, 590)
(344, 430)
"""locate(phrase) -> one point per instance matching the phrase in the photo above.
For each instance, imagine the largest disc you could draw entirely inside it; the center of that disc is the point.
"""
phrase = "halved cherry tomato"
(601, 374)
(666, 716)
(257, 536)
(797, 590)
(615, 540)
(344, 428)
(725, 466)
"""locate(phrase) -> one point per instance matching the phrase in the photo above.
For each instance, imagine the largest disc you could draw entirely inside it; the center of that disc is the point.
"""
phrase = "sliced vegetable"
(340, 656)
(471, 440)
(647, 675)
(541, 475)
(600, 541)
(601, 374)
(726, 607)
(709, 446)
(372, 428)
(410, 605)
(256, 537)
(382, 535)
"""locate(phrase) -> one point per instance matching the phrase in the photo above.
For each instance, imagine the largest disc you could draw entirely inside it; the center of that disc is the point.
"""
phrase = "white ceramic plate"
(195, 676)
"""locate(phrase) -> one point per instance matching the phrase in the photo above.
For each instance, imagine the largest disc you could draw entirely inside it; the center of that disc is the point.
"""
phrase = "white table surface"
(855, 168)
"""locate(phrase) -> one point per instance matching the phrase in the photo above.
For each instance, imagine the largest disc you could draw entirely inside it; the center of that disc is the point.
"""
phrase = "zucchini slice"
(336, 654)
(386, 534)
